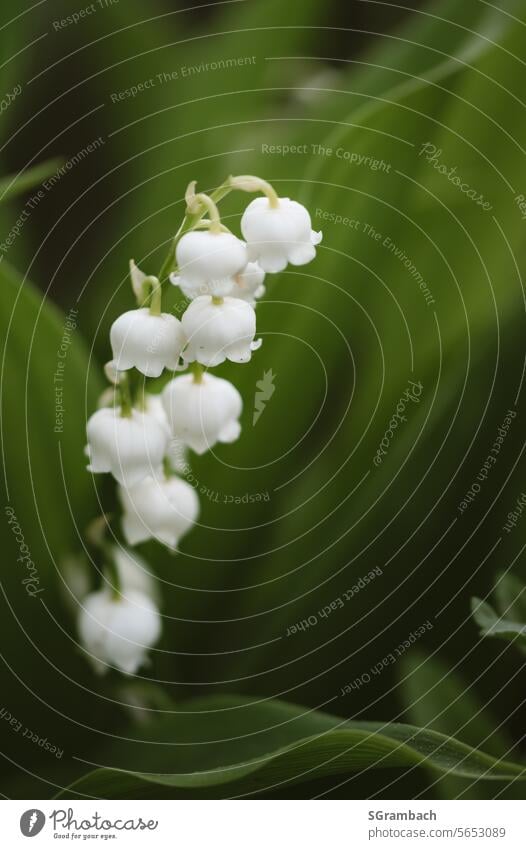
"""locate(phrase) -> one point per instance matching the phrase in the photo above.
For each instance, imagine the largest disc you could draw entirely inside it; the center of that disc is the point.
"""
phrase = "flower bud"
(117, 632)
(208, 263)
(130, 447)
(158, 508)
(219, 331)
(278, 235)
(204, 412)
(149, 343)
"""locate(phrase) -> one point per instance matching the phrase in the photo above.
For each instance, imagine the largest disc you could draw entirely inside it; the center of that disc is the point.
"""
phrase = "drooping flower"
(249, 284)
(134, 573)
(130, 447)
(202, 412)
(219, 330)
(208, 263)
(118, 631)
(147, 342)
(176, 451)
(277, 235)
(160, 508)
(153, 405)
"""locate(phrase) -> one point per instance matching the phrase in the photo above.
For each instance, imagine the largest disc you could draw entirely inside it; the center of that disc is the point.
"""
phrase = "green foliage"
(437, 697)
(275, 744)
(344, 337)
(508, 622)
(18, 184)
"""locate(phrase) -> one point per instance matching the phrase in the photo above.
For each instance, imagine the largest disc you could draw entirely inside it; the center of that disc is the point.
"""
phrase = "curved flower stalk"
(143, 438)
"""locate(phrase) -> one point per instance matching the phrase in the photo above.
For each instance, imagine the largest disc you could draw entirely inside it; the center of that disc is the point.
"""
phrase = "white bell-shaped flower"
(177, 456)
(147, 342)
(134, 573)
(277, 235)
(217, 331)
(208, 263)
(158, 508)
(203, 412)
(130, 447)
(249, 284)
(176, 451)
(153, 406)
(118, 631)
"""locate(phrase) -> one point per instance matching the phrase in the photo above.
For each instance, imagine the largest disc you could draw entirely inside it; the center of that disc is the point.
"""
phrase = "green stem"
(112, 573)
(96, 536)
(156, 299)
(197, 370)
(125, 396)
(188, 223)
(213, 212)
(249, 183)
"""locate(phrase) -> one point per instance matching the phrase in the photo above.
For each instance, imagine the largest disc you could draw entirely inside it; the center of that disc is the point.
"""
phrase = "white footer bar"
(263, 824)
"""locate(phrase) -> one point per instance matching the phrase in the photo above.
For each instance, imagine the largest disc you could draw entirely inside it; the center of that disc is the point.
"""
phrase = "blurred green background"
(359, 89)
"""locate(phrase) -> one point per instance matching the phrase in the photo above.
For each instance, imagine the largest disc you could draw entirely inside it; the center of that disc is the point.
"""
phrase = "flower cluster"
(133, 433)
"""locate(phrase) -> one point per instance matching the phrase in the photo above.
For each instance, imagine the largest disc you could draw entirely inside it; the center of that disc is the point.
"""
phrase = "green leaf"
(225, 746)
(436, 697)
(48, 496)
(344, 335)
(17, 184)
(510, 597)
(493, 624)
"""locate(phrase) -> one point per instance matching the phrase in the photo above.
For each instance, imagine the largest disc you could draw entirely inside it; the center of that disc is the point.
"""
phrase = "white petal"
(230, 432)
(160, 508)
(198, 412)
(129, 447)
(208, 263)
(119, 631)
(149, 343)
(278, 235)
(216, 332)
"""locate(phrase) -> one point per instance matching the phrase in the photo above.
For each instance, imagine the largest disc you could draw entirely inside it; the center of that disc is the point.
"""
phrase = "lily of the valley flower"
(153, 406)
(278, 233)
(249, 284)
(204, 411)
(134, 573)
(218, 329)
(130, 447)
(208, 262)
(147, 342)
(158, 508)
(118, 631)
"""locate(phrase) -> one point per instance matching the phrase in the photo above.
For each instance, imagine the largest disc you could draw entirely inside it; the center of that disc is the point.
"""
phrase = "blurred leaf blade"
(493, 624)
(437, 698)
(319, 744)
(48, 495)
(17, 184)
